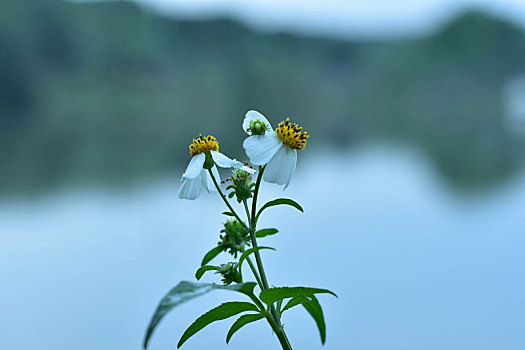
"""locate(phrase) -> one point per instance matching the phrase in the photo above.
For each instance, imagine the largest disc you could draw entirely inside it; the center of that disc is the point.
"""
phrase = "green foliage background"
(108, 92)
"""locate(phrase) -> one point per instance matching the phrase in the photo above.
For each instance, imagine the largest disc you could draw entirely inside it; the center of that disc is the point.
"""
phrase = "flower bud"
(257, 127)
(241, 184)
(230, 273)
(235, 237)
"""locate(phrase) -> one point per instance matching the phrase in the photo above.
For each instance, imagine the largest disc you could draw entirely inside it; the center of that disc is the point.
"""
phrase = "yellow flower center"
(291, 134)
(203, 145)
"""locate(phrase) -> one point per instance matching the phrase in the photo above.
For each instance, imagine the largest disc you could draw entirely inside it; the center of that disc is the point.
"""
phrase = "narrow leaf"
(185, 291)
(280, 201)
(211, 255)
(266, 232)
(247, 253)
(314, 309)
(294, 302)
(221, 312)
(271, 295)
(227, 213)
(241, 322)
(203, 269)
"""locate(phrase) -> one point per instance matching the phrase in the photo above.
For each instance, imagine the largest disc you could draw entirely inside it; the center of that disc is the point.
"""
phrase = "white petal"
(248, 169)
(261, 148)
(195, 167)
(252, 116)
(223, 161)
(281, 167)
(207, 181)
(190, 188)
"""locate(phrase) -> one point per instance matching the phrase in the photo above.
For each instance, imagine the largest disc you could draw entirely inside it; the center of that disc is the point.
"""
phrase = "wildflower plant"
(275, 154)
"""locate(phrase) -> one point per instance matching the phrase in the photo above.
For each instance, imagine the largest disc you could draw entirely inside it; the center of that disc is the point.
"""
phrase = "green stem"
(224, 198)
(281, 334)
(273, 319)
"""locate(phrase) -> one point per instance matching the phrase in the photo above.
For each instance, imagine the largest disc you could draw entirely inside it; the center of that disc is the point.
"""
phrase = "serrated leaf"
(201, 270)
(185, 291)
(271, 295)
(211, 255)
(279, 201)
(294, 302)
(266, 232)
(247, 253)
(218, 313)
(227, 213)
(241, 322)
(314, 309)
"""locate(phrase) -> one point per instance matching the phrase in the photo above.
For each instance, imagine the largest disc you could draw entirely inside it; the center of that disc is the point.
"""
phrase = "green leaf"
(227, 213)
(247, 253)
(294, 302)
(211, 255)
(221, 312)
(279, 201)
(266, 232)
(314, 309)
(271, 295)
(185, 291)
(241, 322)
(203, 269)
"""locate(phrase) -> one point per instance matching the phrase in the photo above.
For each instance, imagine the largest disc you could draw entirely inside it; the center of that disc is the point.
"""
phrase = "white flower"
(278, 149)
(196, 177)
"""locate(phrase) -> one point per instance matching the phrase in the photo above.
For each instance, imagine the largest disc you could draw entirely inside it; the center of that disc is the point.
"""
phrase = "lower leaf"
(241, 322)
(221, 312)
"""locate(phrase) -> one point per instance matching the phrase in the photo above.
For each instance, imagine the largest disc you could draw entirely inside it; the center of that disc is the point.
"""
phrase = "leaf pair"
(300, 296)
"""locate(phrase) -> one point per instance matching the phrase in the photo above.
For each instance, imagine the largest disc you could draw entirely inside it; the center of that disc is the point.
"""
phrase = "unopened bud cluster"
(230, 273)
(235, 237)
(241, 185)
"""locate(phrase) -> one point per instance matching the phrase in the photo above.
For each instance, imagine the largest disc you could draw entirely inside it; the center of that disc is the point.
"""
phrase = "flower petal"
(207, 181)
(195, 166)
(224, 162)
(281, 167)
(248, 169)
(252, 116)
(261, 148)
(190, 188)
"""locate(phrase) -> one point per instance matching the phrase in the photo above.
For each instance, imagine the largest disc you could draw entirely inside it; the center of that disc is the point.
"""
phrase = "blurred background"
(413, 181)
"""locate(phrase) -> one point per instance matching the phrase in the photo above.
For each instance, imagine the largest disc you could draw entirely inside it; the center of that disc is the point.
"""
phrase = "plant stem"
(224, 198)
(274, 318)
(279, 330)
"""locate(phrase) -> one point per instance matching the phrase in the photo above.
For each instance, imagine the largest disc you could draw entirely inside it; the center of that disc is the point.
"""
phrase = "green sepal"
(271, 295)
(201, 270)
(241, 322)
(266, 232)
(279, 201)
(211, 255)
(227, 213)
(218, 313)
(185, 291)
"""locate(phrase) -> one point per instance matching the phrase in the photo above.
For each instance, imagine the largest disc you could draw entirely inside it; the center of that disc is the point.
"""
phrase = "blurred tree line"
(107, 91)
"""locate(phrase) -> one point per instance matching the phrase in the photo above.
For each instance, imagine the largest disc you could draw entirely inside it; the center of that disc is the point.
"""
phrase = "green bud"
(235, 237)
(257, 127)
(241, 182)
(230, 273)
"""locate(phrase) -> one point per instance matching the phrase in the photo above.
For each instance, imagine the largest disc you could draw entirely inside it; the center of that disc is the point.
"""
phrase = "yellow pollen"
(291, 134)
(203, 145)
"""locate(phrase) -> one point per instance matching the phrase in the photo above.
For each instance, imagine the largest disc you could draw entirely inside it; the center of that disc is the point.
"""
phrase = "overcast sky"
(350, 18)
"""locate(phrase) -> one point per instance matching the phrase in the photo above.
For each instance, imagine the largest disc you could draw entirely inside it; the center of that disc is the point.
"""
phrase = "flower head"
(205, 155)
(277, 149)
